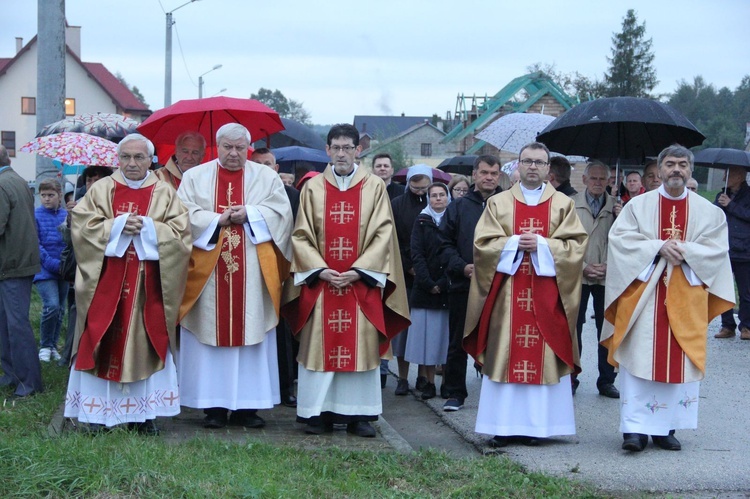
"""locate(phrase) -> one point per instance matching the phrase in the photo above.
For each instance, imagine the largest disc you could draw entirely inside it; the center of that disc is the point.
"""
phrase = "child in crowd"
(49, 284)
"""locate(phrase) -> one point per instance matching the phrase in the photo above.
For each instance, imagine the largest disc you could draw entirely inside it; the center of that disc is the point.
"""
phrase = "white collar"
(664, 193)
(136, 184)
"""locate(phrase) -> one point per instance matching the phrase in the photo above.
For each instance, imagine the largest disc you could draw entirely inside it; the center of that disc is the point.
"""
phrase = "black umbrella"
(723, 159)
(291, 157)
(619, 127)
(463, 165)
(294, 134)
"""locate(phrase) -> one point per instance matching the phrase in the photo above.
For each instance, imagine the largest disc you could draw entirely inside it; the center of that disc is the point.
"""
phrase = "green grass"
(34, 463)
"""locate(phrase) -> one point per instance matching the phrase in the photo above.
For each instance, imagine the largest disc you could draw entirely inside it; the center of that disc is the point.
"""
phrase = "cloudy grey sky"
(391, 56)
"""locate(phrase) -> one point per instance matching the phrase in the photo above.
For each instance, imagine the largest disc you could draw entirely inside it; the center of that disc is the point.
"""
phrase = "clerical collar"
(532, 196)
(664, 193)
(136, 184)
(354, 169)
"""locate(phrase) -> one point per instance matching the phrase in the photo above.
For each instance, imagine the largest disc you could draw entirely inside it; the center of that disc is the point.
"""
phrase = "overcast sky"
(389, 56)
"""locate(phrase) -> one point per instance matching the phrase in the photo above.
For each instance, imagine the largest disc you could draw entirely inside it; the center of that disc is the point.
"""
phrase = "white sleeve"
(146, 245)
(203, 241)
(118, 242)
(256, 227)
(510, 258)
(544, 263)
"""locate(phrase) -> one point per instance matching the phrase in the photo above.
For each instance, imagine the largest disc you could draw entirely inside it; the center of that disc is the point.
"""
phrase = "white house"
(89, 87)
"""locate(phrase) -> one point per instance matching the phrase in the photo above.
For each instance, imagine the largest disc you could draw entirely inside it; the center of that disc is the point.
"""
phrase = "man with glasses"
(132, 242)
(457, 250)
(189, 150)
(523, 304)
(406, 208)
(348, 297)
(597, 211)
(668, 275)
(241, 222)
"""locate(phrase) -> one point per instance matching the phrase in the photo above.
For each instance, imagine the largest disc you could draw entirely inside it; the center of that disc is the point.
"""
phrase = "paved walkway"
(713, 461)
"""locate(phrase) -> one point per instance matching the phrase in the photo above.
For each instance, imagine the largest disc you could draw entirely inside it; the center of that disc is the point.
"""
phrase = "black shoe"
(609, 390)
(247, 418)
(574, 384)
(529, 441)
(421, 383)
(361, 429)
(429, 391)
(634, 442)
(383, 379)
(668, 442)
(497, 441)
(147, 428)
(215, 418)
(444, 392)
(318, 428)
(402, 388)
(288, 400)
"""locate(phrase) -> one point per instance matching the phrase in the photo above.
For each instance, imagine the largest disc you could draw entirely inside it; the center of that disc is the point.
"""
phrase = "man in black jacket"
(406, 208)
(736, 205)
(559, 175)
(457, 252)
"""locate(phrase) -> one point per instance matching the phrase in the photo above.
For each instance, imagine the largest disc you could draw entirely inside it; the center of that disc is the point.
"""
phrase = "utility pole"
(168, 56)
(50, 73)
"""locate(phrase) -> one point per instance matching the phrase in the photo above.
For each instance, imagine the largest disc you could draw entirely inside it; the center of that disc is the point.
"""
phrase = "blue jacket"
(51, 241)
(738, 223)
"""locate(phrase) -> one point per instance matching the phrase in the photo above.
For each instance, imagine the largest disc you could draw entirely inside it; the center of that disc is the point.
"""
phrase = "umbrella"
(207, 116)
(619, 127)
(106, 125)
(722, 158)
(290, 157)
(437, 176)
(513, 131)
(73, 148)
(462, 165)
(295, 134)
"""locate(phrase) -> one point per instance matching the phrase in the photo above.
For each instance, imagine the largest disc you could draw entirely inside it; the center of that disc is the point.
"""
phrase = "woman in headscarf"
(427, 341)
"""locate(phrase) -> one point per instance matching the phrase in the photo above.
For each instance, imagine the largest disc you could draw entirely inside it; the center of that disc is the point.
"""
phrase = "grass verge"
(34, 463)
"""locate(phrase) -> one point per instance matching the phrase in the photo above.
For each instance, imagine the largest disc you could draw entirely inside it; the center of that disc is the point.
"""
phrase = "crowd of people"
(218, 286)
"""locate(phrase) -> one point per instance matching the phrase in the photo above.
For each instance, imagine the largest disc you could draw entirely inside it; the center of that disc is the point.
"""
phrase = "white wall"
(20, 81)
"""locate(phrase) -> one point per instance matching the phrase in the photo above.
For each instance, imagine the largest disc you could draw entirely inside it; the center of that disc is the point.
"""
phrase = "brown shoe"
(727, 333)
(744, 333)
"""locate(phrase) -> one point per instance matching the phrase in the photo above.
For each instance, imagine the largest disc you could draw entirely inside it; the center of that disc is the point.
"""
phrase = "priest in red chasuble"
(241, 222)
(348, 297)
(132, 244)
(668, 275)
(523, 306)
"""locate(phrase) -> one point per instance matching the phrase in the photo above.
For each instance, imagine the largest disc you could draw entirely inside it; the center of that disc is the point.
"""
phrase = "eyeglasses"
(338, 149)
(460, 191)
(535, 162)
(139, 158)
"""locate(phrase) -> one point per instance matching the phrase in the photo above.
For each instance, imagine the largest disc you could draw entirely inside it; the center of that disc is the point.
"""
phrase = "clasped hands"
(595, 271)
(133, 225)
(340, 279)
(673, 252)
(233, 215)
(527, 242)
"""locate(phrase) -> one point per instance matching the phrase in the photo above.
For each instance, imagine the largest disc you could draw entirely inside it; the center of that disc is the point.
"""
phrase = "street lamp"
(200, 80)
(219, 92)
(168, 57)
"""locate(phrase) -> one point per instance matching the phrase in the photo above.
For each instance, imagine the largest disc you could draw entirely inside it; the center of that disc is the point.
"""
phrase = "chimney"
(73, 39)
(19, 44)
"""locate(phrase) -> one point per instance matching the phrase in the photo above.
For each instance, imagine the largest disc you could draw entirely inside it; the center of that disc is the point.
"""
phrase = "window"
(70, 107)
(28, 105)
(426, 150)
(8, 139)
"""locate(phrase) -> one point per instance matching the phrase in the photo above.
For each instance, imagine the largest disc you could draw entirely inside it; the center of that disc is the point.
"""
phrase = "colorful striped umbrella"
(73, 148)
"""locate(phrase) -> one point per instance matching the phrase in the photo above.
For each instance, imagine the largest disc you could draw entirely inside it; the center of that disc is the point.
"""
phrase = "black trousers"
(286, 354)
(606, 371)
(454, 374)
(741, 271)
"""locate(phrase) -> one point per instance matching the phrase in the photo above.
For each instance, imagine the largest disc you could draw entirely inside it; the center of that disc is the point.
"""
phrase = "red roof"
(120, 94)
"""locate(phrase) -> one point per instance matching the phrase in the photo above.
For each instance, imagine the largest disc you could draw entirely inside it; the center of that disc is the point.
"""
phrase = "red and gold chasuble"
(114, 310)
(537, 317)
(668, 360)
(230, 268)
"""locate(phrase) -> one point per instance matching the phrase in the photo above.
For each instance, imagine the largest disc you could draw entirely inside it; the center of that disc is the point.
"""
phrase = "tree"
(134, 89)
(574, 84)
(287, 108)
(631, 71)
